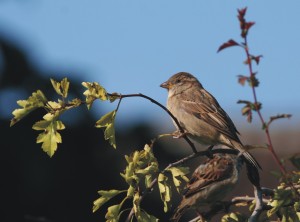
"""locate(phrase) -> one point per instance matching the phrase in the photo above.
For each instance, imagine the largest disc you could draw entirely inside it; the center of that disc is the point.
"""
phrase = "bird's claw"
(209, 152)
(177, 134)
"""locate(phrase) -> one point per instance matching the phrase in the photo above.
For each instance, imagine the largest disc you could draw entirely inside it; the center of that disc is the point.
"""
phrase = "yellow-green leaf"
(113, 213)
(36, 100)
(136, 203)
(109, 134)
(105, 195)
(61, 88)
(130, 191)
(108, 121)
(148, 180)
(141, 166)
(140, 214)
(94, 91)
(179, 175)
(282, 198)
(234, 217)
(165, 191)
(152, 168)
(49, 137)
(53, 106)
(145, 217)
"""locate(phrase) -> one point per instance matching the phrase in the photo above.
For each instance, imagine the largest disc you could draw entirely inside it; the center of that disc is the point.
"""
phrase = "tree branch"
(185, 137)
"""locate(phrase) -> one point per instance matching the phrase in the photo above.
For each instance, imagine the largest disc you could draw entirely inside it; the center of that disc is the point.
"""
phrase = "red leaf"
(230, 43)
(256, 58)
(242, 79)
(242, 11)
(241, 15)
(248, 25)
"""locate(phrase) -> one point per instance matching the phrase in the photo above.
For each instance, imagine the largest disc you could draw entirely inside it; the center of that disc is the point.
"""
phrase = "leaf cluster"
(142, 174)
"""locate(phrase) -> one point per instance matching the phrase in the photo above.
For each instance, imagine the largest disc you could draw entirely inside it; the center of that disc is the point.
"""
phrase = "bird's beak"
(165, 85)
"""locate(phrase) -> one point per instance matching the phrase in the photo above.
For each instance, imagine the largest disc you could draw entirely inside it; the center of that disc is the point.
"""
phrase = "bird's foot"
(209, 152)
(200, 216)
(177, 134)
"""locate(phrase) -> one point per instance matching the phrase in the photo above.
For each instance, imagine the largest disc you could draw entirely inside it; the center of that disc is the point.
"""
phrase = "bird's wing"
(205, 107)
(214, 170)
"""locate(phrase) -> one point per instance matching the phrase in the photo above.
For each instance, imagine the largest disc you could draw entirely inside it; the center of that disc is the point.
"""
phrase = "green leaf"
(94, 91)
(140, 164)
(108, 121)
(61, 88)
(50, 137)
(289, 214)
(36, 100)
(152, 168)
(148, 180)
(140, 214)
(113, 213)
(234, 217)
(104, 197)
(75, 102)
(179, 175)
(130, 191)
(165, 191)
(54, 107)
(281, 198)
(136, 204)
(145, 217)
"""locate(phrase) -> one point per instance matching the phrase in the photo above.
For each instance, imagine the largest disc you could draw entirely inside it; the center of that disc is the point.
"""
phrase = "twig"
(279, 116)
(225, 205)
(266, 126)
(184, 136)
(258, 205)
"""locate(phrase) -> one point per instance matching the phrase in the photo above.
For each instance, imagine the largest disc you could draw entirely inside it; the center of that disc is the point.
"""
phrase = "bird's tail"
(249, 158)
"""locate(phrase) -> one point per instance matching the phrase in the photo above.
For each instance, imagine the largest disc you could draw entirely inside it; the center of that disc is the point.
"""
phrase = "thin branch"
(279, 116)
(266, 126)
(225, 206)
(184, 136)
(258, 205)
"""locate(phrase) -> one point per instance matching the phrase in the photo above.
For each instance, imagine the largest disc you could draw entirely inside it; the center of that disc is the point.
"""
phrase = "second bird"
(200, 114)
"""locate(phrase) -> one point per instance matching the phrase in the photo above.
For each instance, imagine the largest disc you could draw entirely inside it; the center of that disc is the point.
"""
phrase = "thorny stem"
(266, 126)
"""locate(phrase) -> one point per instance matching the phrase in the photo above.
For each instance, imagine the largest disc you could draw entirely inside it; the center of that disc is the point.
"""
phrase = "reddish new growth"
(255, 106)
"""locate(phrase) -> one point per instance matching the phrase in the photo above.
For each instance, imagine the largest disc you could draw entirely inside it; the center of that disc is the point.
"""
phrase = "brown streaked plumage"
(210, 183)
(200, 114)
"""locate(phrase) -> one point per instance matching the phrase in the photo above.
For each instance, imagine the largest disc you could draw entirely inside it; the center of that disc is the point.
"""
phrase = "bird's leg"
(201, 218)
(177, 134)
(209, 153)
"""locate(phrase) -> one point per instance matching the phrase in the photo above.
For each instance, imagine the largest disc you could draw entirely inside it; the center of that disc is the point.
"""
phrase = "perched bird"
(200, 114)
(210, 183)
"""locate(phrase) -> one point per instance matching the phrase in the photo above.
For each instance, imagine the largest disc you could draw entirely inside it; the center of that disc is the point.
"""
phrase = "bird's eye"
(178, 81)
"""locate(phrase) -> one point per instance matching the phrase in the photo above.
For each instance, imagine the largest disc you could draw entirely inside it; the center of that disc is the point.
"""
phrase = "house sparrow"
(210, 183)
(200, 114)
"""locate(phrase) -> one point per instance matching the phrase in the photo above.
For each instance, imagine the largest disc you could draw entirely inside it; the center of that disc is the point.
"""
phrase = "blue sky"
(133, 46)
